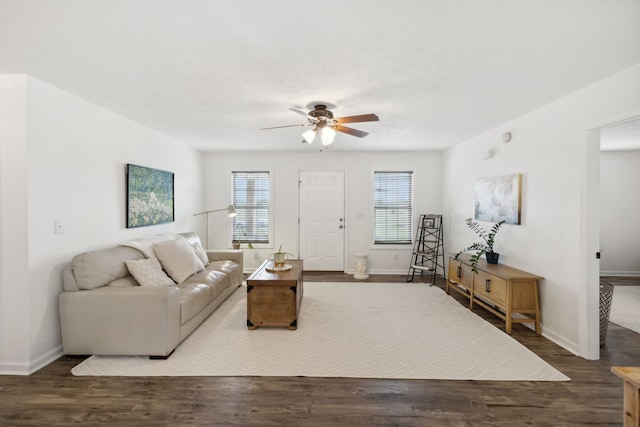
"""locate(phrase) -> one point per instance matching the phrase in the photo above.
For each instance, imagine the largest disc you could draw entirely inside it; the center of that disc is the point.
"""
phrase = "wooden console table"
(502, 290)
(274, 298)
(631, 377)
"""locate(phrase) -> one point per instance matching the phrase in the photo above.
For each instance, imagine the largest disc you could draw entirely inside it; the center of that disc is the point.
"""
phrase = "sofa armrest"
(234, 255)
(226, 255)
(120, 321)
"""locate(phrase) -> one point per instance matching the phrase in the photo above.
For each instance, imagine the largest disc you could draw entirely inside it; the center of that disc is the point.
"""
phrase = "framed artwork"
(149, 196)
(498, 198)
(429, 223)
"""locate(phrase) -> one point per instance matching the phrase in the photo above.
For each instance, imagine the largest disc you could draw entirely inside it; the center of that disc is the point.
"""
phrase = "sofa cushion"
(99, 268)
(178, 258)
(227, 267)
(193, 298)
(200, 252)
(145, 244)
(125, 282)
(148, 272)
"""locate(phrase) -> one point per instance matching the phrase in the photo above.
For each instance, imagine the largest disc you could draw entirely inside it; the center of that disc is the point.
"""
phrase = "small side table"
(631, 377)
(361, 266)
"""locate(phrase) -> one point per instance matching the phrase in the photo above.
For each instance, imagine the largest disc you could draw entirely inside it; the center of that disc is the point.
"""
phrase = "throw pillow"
(148, 272)
(178, 258)
(202, 254)
(145, 244)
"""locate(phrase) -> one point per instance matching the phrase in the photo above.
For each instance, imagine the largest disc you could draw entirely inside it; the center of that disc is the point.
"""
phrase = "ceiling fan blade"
(280, 127)
(360, 118)
(307, 116)
(351, 131)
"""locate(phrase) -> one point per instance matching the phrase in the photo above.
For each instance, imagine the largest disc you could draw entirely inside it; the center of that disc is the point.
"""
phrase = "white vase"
(279, 259)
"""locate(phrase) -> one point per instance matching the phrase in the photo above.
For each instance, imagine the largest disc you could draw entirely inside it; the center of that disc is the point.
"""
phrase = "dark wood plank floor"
(53, 397)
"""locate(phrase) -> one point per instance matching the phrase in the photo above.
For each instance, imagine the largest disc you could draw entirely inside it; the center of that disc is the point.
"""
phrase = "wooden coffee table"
(273, 298)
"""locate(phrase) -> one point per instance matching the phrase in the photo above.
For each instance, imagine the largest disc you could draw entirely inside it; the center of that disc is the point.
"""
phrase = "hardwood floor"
(53, 397)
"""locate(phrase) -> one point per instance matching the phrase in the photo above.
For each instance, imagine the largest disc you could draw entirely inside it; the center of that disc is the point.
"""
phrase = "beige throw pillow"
(202, 254)
(178, 258)
(148, 272)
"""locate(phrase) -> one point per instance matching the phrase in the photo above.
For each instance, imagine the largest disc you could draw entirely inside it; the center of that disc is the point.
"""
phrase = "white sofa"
(105, 310)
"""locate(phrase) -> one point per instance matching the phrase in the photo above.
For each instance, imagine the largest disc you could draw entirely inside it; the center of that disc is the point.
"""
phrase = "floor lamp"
(230, 209)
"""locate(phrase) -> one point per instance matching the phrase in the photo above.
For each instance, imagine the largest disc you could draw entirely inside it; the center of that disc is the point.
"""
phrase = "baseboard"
(620, 273)
(402, 272)
(351, 271)
(16, 368)
(392, 272)
(561, 341)
(28, 368)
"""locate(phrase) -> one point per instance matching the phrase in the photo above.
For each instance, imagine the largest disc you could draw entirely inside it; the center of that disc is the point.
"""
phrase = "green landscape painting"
(149, 196)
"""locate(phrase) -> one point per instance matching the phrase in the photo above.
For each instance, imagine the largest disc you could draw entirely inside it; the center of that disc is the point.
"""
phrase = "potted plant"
(483, 247)
(279, 257)
(236, 243)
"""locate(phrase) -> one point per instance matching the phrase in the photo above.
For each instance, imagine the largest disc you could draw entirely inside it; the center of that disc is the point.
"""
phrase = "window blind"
(250, 196)
(393, 207)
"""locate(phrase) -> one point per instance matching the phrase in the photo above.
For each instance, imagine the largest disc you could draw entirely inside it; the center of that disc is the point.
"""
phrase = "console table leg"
(631, 405)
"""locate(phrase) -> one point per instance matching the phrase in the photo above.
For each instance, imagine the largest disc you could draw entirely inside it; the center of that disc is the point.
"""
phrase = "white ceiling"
(211, 73)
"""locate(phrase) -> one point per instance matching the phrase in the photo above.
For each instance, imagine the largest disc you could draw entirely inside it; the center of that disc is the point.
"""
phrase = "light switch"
(58, 226)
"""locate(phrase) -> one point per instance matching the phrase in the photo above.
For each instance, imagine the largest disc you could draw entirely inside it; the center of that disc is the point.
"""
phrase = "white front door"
(322, 220)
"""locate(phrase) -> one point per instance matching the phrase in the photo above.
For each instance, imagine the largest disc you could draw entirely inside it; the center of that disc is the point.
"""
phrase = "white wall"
(67, 162)
(619, 223)
(549, 147)
(358, 167)
(14, 291)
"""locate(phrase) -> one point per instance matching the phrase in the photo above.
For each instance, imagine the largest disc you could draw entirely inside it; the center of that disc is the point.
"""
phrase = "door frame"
(589, 300)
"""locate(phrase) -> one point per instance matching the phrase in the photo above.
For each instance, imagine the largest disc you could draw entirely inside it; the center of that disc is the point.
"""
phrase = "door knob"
(341, 226)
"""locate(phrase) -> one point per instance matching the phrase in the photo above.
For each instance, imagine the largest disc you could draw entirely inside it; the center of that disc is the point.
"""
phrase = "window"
(393, 207)
(250, 194)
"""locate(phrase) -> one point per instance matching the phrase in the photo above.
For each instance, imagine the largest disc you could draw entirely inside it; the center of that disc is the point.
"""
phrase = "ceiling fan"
(326, 125)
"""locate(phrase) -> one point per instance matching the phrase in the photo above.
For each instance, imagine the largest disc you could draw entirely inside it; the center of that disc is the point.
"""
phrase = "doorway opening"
(589, 324)
(619, 228)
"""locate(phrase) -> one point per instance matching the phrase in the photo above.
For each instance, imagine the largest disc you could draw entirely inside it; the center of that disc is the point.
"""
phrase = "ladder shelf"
(428, 248)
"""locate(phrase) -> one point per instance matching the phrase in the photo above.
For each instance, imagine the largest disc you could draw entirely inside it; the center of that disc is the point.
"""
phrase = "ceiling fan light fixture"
(309, 135)
(322, 122)
(328, 134)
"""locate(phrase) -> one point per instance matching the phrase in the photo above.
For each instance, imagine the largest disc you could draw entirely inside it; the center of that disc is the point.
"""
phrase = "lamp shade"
(309, 135)
(328, 135)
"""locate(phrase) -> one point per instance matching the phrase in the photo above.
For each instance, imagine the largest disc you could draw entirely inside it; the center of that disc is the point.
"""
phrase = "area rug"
(625, 307)
(358, 330)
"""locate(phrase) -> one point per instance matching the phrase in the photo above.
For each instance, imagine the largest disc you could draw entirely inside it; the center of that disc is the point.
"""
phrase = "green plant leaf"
(486, 245)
